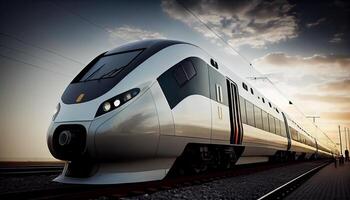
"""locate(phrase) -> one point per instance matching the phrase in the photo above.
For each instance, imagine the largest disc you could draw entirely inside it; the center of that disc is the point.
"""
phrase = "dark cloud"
(338, 37)
(130, 33)
(254, 23)
(316, 23)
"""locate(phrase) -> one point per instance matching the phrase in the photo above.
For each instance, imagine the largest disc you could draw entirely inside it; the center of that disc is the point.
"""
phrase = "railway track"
(30, 170)
(287, 188)
(126, 190)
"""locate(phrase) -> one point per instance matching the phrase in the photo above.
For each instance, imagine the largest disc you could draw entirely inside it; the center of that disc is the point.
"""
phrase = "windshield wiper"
(112, 73)
(88, 78)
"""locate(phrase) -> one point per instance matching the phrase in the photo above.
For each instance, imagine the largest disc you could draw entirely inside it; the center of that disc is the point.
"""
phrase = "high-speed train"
(151, 108)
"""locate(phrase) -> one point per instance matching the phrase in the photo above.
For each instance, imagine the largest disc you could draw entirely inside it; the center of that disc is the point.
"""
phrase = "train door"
(235, 115)
(287, 131)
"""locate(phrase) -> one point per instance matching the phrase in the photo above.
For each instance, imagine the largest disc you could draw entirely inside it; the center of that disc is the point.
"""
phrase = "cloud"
(338, 37)
(253, 23)
(330, 99)
(130, 33)
(342, 85)
(281, 60)
(336, 115)
(316, 23)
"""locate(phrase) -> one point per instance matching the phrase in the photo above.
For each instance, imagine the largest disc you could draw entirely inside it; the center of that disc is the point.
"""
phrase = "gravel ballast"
(250, 186)
(11, 184)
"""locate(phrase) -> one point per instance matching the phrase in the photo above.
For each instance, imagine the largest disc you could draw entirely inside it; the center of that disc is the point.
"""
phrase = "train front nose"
(131, 132)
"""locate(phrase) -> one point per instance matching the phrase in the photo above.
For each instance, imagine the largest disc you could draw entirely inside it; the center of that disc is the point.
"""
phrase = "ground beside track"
(331, 182)
(250, 186)
(27, 183)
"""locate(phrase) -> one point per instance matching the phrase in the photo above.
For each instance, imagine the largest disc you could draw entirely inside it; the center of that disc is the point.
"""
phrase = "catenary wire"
(244, 58)
(41, 48)
(33, 65)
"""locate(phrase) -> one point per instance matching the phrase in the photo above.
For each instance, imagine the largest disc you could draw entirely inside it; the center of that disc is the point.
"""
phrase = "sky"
(299, 51)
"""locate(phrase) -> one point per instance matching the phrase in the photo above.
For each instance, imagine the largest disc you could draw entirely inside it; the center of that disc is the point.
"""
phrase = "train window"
(258, 118)
(283, 129)
(244, 86)
(296, 135)
(184, 72)
(270, 105)
(277, 110)
(263, 100)
(243, 111)
(293, 133)
(250, 113)
(272, 124)
(252, 91)
(180, 75)
(265, 120)
(219, 93)
(278, 126)
(108, 66)
(189, 69)
(301, 138)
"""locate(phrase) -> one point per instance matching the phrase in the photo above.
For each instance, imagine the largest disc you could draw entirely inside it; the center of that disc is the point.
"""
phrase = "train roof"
(153, 45)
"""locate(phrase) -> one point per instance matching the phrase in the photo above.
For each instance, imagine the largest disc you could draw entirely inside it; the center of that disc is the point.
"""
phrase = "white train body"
(167, 96)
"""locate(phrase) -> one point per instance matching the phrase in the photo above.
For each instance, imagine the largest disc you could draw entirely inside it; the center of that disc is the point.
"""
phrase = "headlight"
(57, 110)
(116, 101)
(106, 106)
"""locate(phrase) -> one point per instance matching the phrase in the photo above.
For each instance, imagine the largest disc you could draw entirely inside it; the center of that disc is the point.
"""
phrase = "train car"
(152, 108)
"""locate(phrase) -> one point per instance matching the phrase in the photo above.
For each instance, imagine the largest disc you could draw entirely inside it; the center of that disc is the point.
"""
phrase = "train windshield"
(108, 66)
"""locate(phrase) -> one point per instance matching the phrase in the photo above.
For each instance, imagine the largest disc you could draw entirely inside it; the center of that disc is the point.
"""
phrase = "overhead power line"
(85, 19)
(28, 54)
(229, 45)
(41, 48)
(33, 65)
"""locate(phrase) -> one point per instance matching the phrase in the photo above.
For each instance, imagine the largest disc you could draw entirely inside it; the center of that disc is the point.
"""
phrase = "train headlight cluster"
(116, 101)
(57, 110)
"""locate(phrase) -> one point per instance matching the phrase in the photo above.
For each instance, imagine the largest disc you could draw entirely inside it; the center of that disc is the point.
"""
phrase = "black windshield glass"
(109, 66)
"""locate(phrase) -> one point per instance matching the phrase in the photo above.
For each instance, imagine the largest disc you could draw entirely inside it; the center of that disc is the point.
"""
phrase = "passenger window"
(183, 72)
(283, 129)
(245, 86)
(263, 100)
(278, 127)
(294, 134)
(243, 111)
(250, 113)
(265, 121)
(272, 124)
(258, 120)
(252, 91)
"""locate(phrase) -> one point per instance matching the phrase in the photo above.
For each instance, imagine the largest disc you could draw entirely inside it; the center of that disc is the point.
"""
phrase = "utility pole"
(349, 137)
(346, 139)
(313, 118)
(341, 148)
